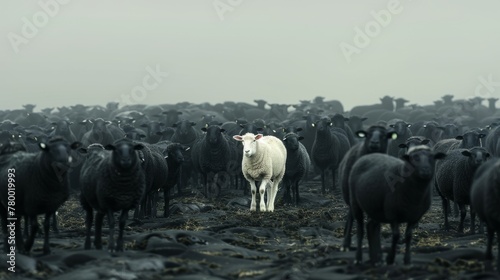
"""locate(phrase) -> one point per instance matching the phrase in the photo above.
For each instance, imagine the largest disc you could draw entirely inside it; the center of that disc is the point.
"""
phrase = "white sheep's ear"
(258, 136)
(238, 138)
(43, 146)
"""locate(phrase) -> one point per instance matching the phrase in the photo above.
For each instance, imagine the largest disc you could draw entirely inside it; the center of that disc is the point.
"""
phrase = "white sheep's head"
(249, 141)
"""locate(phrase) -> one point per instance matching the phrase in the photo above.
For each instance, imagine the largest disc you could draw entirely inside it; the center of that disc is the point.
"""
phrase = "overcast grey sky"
(92, 52)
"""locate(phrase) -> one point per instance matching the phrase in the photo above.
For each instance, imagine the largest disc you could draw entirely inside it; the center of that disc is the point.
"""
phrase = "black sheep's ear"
(425, 141)
(346, 119)
(204, 129)
(459, 137)
(363, 119)
(487, 155)
(403, 146)
(482, 135)
(298, 129)
(43, 146)
(109, 147)
(144, 136)
(222, 130)
(466, 153)
(192, 123)
(179, 113)
(76, 145)
(361, 134)
(405, 157)
(174, 125)
(138, 147)
(439, 155)
(300, 138)
(82, 151)
(144, 125)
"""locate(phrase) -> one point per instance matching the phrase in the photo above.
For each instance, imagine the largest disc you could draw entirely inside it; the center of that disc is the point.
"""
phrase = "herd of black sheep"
(176, 167)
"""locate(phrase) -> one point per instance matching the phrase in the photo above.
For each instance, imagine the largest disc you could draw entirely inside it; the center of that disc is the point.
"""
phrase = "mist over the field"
(57, 53)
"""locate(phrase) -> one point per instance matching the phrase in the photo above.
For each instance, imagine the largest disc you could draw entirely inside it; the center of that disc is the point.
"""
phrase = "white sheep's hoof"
(252, 208)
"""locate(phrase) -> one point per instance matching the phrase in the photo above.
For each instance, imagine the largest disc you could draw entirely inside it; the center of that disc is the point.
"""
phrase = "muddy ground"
(224, 240)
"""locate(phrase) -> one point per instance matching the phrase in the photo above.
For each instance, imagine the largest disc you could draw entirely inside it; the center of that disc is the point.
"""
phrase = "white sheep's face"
(249, 141)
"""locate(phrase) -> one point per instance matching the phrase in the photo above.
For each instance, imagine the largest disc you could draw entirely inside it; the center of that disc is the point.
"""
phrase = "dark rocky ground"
(223, 240)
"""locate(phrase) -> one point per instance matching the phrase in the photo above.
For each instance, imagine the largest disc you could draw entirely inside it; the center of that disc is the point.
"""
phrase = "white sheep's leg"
(272, 198)
(253, 188)
(262, 190)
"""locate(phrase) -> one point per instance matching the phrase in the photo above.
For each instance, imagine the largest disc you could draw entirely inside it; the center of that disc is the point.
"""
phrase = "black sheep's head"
(471, 138)
(422, 161)
(400, 127)
(124, 156)
(99, 125)
(59, 150)
(291, 141)
(175, 152)
(184, 127)
(323, 124)
(213, 134)
(477, 155)
(376, 138)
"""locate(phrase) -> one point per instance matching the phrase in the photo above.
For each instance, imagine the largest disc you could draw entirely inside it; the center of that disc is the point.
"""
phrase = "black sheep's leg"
(20, 244)
(333, 180)
(498, 251)
(154, 204)
(408, 235)
(46, 230)
(296, 192)
(463, 213)
(394, 245)
(323, 190)
(358, 215)
(99, 217)
(456, 207)
(166, 200)
(287, 197)
(472, 220)
(3, 216)
(34, 230)
(347, 231)
(88, 226)
(55, 223)
(446, 204)
(489, 243)
(121, 227)
(111, 223)
(374, 246)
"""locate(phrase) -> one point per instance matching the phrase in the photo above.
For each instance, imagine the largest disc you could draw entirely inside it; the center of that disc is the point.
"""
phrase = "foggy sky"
(92, 52)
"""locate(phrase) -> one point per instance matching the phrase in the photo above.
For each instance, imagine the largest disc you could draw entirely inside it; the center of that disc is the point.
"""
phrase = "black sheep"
(173, 153)
(111, 181)
(187, 135)
(453, 180)
(329, 147)
(485, 198)
(297, 166)
(391, 190)
(403, 131)
(155, 166)
(41, 186)
(214, 156)
(376, 141)
(99, 133)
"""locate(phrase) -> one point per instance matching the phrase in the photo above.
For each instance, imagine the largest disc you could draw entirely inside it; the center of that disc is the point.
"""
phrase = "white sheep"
(264, 159)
